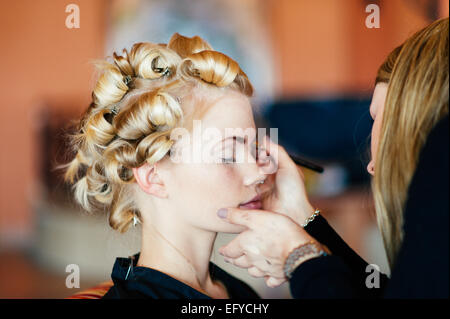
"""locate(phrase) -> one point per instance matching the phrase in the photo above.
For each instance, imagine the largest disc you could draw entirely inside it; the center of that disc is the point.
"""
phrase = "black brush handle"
(307, 164)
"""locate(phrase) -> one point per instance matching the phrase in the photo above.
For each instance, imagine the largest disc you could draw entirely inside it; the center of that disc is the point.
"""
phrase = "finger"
(255, 272)
(263, 153)
(300, 171)
(267, 157)
(262, 264)
(233, 249)
(237, 216)
(273, 282)
(281, 158)
(280, 155)
(241, 262)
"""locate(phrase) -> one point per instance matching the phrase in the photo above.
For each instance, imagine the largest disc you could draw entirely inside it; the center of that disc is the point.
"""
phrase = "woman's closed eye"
(228, 160)
(229, 155)
(234, 151)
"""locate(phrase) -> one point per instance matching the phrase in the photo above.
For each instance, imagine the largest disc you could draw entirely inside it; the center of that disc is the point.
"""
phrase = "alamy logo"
(373, 279)
(73, 19)
(73, 279)
(373, 19)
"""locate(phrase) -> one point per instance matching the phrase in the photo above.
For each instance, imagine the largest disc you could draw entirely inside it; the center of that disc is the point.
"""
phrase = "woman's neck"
(180, 251)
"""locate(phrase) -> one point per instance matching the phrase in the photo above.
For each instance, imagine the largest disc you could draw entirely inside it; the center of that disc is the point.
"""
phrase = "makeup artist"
(290, 241)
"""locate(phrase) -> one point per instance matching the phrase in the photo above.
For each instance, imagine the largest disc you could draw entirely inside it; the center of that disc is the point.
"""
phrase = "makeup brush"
(302, 162)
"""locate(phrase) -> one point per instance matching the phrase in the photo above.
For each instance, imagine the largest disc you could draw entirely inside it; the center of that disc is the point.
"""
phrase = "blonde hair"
(137, 102)
(417, 98)
(385, 70)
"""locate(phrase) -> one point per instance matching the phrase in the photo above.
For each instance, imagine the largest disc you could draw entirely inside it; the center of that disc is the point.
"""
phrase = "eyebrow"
(240, 139)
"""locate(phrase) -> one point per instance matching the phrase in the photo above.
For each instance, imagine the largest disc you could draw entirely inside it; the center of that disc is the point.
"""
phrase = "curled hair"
(136, 103)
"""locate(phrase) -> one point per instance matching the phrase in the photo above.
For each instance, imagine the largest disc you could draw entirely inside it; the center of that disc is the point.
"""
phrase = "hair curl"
(136, 103)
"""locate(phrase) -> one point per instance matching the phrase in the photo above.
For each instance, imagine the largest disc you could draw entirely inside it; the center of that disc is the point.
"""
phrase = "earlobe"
(149, 181)
(371, 168)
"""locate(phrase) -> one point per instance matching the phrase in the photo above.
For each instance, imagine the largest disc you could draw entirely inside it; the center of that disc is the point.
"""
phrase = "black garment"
(143, 282)
(422, 266)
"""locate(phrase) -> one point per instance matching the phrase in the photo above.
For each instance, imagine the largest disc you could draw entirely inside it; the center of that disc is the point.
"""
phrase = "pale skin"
(271, 234)
(179, 201)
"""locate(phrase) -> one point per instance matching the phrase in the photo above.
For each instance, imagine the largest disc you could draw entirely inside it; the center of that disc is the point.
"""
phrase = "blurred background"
(313, 64)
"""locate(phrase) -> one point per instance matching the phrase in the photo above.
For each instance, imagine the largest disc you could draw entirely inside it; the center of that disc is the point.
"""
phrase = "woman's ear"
(148, 180)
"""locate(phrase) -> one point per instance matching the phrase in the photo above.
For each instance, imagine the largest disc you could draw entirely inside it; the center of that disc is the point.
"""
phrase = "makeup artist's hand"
(285, 189)
(265, 245)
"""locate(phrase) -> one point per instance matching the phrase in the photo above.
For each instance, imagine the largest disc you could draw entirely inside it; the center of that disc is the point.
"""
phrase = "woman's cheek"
(230, 175)
(231, 194)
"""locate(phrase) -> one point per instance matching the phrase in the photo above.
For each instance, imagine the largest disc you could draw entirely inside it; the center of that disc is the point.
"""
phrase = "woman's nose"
(255, 180)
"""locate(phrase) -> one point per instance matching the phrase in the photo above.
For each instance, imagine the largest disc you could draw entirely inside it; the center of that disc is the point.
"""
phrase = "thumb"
(282, 158)
(239, 216)
(279, 158)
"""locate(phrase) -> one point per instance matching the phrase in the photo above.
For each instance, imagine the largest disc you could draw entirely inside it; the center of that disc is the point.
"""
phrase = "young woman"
(125, 164)
(410, 167)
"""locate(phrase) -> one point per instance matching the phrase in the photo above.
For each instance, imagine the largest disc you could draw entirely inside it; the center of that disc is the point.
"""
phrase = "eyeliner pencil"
(302, 162)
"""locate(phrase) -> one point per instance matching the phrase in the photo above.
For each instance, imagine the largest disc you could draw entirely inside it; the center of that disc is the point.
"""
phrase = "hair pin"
(114, 110)
(166, 71)
(127, 79)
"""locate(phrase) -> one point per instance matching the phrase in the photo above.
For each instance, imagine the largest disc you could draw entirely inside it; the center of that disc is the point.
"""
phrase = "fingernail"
(222, 213)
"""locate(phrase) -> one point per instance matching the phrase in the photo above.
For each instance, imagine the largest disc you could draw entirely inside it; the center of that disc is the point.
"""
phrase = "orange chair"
(95, 292)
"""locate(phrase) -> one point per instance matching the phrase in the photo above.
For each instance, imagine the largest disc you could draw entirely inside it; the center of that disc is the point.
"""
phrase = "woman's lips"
(254, 203)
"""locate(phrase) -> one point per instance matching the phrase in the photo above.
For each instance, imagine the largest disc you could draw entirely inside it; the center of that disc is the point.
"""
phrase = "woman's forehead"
(233, 111)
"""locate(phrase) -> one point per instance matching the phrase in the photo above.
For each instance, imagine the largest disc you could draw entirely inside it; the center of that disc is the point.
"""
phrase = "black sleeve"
(421, 269)
(422, 266)
(323, 278)
(340, 275)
